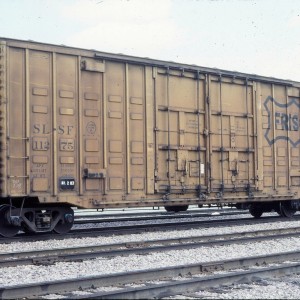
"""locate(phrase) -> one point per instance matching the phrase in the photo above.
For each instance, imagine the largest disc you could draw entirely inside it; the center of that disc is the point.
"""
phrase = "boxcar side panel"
(115, 132)
(180, 123)
(67, 123)
(91, 138)
(116, 128)
(232, 130)
(150, 75)
(3, 118)
(40, 123)
(280, 122)
(136, 162)
(17, 123)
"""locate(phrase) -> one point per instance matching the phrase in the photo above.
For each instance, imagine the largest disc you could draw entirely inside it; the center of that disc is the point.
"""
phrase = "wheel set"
(285, 209)
(33, 220)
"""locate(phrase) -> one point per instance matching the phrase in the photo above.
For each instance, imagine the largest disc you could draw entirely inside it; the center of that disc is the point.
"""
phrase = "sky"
(251, 36)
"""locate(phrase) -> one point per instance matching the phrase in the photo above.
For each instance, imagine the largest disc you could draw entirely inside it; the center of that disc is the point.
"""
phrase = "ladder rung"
(18, 157)
(19, 176)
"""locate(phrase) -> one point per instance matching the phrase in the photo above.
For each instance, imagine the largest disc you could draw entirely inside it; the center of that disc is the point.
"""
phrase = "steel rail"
(156, 210)
(129, 229)
(149, 227)
(166, 289)
(103, 219)
(159, 211)
(196, 284)
(51, 256)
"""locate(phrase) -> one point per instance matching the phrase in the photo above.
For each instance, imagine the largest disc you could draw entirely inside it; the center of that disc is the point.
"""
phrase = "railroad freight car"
(82, 128)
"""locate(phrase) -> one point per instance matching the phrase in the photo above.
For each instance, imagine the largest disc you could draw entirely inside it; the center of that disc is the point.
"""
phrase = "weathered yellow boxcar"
(95, 130)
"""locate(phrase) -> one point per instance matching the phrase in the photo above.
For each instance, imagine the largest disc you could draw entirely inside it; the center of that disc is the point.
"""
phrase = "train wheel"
(286, 209)
(66, 222)
(176, 208)
(6, 229)
(256, 211)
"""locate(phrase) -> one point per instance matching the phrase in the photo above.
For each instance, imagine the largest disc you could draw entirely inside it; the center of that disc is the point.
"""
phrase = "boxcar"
(82, 128)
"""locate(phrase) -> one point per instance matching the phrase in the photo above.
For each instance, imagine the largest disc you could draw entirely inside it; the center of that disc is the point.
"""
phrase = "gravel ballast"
(102, 266)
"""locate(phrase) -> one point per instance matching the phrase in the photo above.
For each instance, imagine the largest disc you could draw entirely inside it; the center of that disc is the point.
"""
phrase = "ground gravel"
(281, 288)
(103, 240)
(263, 290)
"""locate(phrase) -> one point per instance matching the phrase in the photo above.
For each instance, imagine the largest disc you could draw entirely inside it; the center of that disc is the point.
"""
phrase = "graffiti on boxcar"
(286, 118)
(286, 121)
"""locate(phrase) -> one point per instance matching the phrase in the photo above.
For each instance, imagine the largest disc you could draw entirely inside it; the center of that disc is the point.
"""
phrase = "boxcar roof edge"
(30, 44)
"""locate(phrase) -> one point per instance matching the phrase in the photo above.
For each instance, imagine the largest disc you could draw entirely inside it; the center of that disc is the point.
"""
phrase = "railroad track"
(51, 256)
(145, 288)
(98, 218)
(84, 219)
(136, 228)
